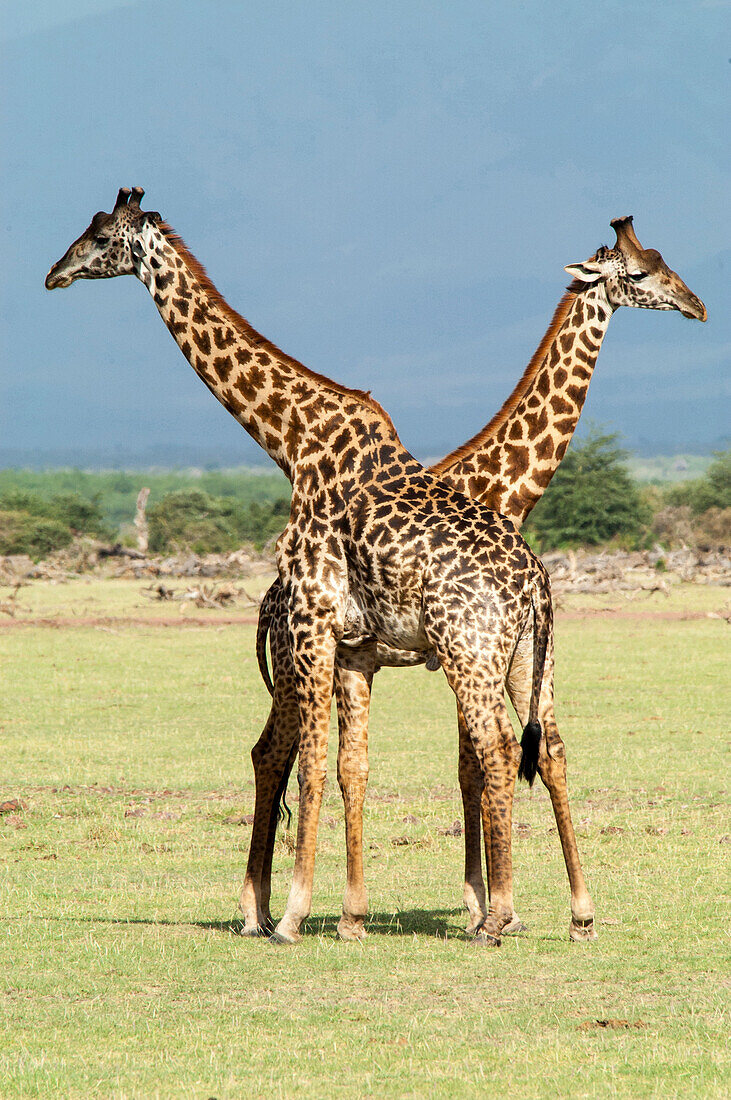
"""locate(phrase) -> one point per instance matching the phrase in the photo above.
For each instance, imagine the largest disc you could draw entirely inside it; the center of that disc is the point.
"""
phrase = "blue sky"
(388, 191)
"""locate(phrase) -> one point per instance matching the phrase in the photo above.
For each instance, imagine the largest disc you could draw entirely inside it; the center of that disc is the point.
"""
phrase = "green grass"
(119, 972)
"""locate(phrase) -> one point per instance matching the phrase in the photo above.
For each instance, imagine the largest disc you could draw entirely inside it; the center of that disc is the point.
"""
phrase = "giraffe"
(377, 549)
(507, 465)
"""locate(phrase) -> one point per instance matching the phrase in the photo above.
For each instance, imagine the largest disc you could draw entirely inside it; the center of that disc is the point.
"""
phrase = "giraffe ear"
(588, 272)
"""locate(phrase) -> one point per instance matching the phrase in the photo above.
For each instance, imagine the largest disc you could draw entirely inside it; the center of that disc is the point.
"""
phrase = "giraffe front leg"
(313, 653)
(353, 678)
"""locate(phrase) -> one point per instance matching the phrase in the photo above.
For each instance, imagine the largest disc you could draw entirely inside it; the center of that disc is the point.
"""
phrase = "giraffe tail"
(262, 633)
(542, 627)
(283, 811)
(268, 604)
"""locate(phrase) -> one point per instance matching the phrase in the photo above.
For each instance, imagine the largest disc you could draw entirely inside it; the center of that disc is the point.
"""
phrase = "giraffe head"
(636, 276)
(109, 246)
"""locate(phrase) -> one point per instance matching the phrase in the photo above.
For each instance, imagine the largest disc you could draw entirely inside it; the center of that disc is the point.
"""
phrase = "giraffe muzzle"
(56, 279)
(694, 309)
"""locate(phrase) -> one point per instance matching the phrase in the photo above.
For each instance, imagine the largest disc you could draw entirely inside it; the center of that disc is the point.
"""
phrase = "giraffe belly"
(391, 616)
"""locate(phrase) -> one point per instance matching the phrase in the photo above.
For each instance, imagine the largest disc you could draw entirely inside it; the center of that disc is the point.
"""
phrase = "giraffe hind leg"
(552, 770)
(479, 691)
(313, 656)
(472, 786)
(273, 757)
(353, 678)
(551, 766)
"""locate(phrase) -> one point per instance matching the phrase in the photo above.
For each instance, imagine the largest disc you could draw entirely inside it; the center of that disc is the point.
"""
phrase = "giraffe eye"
(639, 276)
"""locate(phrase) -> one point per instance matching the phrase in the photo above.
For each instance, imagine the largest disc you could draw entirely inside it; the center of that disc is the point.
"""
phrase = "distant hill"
(661, 469)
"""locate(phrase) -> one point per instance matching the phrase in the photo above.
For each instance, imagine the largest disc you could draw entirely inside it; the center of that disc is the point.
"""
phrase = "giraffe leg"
(271, 758)
(476, 814)
(481, 700)
(274, 820)
(472, 786)
(552, 770)
(516, 924)
(313, 653)
(353, 679)
(499, 755)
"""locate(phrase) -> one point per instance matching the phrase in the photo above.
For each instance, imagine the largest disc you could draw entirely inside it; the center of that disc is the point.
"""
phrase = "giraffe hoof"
(474, 926)
(485, 939)
(351, 930)
(514, 926)
(251, 930)
(582, 931)
(282, 938)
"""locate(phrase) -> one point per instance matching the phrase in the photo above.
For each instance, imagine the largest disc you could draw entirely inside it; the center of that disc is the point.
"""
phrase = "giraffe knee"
(311, 778)
(468, 767)
(352, 775)
(552, 746)
(552, 760)
(259, 752)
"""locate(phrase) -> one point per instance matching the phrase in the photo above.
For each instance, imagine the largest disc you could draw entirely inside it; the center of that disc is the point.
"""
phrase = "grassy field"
(126, 730)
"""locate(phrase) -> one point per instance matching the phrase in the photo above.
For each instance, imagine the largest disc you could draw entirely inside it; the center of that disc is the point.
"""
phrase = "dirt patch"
(109, 622)
(228, 795)
(633, 615)
(612, 1025)
(12, 806)
(239, 819)
(411, 842)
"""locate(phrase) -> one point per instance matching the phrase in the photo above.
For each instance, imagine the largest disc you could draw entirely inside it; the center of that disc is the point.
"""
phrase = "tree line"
(592, 501)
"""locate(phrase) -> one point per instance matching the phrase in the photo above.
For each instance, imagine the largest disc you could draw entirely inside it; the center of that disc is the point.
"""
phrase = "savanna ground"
(126, 730)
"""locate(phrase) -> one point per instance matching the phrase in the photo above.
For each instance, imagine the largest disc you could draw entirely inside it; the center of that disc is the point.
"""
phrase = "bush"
(79, 514)
(191, 519)
(714, 528)
(711, 491)
(23, 533)
(591, 500)
(673, 526)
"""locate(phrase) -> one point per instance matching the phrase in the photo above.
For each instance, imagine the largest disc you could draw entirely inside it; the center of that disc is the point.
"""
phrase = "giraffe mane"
(255, 338)
(509, 406)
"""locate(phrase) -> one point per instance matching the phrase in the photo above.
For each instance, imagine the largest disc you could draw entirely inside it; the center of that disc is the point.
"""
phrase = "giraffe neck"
(510, 462)
(278, 401)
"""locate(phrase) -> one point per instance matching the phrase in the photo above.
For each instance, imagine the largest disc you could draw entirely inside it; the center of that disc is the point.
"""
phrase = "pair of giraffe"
(381, 556)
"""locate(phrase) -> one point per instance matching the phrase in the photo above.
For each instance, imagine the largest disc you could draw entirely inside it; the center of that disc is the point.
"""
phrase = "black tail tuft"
(530, 743)
(284, 814)
(280, 807)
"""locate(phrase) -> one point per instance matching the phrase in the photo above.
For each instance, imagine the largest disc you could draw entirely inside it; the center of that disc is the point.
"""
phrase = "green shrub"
(81, 515)
(36, 536)
(194, 520)
(711, 491)
(591, 500)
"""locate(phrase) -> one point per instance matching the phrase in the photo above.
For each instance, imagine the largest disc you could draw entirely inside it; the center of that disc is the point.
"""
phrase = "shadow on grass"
(405, 922)
(437, 923)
